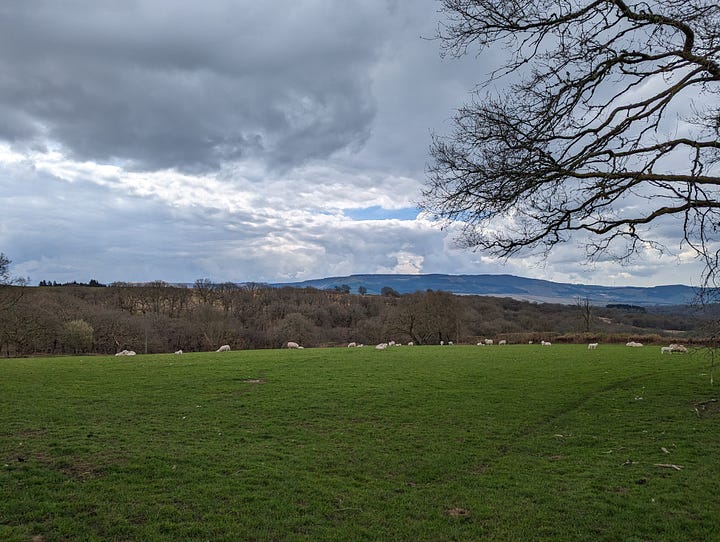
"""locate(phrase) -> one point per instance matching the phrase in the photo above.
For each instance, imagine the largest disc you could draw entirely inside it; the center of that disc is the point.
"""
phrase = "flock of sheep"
(487, 342)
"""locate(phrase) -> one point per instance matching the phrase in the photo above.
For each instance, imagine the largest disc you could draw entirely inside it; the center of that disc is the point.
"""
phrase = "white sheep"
(488, 341)
(352, 345)
(292, 344)
(411, 343)
(224, 348)
(666, 350)
(545, 343)
(450, 343)
(481, 343)
(391, 343)
(678, 348)
(503, 341)
(126, 353)
(381, 346)
(592, 346)
(442, 343)
(634, 344)
(179, 352)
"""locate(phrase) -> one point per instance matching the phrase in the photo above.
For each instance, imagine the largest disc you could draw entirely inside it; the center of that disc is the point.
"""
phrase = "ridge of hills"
(521, 288)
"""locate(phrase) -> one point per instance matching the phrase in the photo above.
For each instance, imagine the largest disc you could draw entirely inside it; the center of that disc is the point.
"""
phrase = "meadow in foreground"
(423, 443)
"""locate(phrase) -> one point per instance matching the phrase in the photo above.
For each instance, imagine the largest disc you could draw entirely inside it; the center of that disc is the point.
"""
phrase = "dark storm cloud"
(169, 84)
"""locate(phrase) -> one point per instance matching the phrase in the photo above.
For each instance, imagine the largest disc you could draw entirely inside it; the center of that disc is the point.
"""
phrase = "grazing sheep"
(450, 343)
(352, 345)
(381, 346)
(481, 343)
(634, 344)
(592, 346)
(677, 348)
(442, 343)
(126, 353)
(530, 342)
(503, 341)
(488, 341)
(545, 343)
(411, 343)
(224, 348)
(292, 344)
(391, 343)
(179, 352)
(666, 350)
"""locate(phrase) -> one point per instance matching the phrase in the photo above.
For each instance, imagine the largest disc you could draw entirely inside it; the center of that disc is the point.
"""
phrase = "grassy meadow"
(518, 442)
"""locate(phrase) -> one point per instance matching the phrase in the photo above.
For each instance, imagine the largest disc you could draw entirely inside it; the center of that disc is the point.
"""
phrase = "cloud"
(155, 85)
(235, 140)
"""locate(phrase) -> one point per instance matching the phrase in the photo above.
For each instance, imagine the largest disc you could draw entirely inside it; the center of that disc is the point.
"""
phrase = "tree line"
(159, 317)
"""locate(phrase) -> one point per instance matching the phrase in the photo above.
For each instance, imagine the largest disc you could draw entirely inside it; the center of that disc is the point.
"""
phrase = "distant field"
(424, 443)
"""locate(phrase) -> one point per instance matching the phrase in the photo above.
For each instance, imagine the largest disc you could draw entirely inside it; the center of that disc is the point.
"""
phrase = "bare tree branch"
(595, 138)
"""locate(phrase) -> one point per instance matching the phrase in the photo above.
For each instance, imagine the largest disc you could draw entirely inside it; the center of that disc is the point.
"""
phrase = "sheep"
(179, 352)
(391, 343)
(488, 341)
(677, 348)
(381, 346)
(352, 345)
(450, 343)
(530, 342)
(292, 344)
(126, 353)
(411, 343)
(442, 343)
(481, 343)
(592, 346)
(634, 344)
(503, 341)
(224, 348)
(666, 350)
(545, 343)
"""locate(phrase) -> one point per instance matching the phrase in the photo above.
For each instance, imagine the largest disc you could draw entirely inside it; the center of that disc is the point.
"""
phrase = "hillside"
(509, 286)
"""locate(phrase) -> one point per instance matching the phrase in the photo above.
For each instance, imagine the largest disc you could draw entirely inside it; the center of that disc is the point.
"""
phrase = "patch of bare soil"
(458, 513)
(707, 409)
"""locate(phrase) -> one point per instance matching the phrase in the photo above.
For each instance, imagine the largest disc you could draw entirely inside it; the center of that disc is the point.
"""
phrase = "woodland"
(160, 317)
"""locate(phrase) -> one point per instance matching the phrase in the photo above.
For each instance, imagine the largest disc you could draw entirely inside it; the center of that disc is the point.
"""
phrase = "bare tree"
(610, 125)
(585, 309)
(11, 288)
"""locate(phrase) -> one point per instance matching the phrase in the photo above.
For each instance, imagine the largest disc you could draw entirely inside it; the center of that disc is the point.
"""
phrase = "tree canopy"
(608, 125)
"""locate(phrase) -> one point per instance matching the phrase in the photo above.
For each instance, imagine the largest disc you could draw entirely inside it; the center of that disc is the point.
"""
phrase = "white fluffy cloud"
(235, 141)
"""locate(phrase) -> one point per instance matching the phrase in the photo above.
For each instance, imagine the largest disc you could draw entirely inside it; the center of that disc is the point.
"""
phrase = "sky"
(238, 140)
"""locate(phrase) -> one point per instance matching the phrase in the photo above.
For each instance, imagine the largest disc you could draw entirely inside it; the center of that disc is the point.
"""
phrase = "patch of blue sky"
(380, 213)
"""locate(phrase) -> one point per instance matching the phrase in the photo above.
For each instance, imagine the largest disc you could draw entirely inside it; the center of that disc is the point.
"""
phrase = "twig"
(669, 466)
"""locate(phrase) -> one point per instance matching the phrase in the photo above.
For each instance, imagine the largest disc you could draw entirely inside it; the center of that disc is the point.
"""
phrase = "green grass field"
(423, 443)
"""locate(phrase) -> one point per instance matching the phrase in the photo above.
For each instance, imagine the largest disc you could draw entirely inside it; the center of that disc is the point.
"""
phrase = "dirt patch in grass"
(82, 470)
(458, 513)
(481, 468)
(707, 409)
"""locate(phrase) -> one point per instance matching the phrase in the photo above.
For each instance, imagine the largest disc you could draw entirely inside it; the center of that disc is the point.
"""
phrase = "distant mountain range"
(543, 291)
